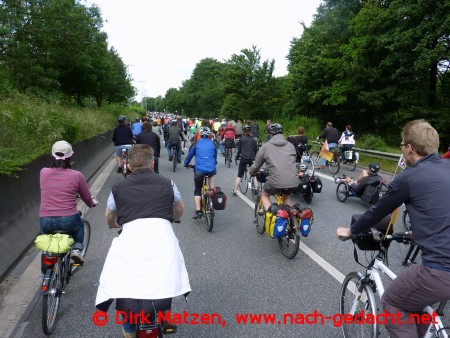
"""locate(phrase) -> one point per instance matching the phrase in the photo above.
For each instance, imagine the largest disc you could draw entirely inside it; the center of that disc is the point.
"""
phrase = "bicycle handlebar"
(376, 235)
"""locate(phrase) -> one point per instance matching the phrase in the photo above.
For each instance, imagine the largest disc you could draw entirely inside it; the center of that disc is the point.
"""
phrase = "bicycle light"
(49, 260)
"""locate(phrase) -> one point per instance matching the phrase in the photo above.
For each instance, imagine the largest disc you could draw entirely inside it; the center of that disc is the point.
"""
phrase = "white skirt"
(144, 262)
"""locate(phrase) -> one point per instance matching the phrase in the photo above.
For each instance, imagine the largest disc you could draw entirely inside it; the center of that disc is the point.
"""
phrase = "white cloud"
(162, 41)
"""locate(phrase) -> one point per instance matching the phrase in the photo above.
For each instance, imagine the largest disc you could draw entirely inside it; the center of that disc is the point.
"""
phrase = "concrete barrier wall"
(20, 197)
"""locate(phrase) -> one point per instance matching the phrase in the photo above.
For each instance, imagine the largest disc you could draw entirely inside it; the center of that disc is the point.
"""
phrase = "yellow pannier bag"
(54, 243)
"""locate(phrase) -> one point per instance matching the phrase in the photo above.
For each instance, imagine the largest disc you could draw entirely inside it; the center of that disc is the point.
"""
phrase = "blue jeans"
(178, 151)
(72, 223)
(331, 146)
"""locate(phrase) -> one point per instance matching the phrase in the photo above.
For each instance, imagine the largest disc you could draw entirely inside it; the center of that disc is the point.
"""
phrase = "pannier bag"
(305, 219)
(351, 155)
(276, 223)
(54, 243)
(316, 184)
(365, 242)
(229, 143)
(370, 194)
(219, 199)
(303, 186)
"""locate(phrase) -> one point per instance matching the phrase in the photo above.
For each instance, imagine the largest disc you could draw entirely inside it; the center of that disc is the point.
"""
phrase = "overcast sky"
(162, 41)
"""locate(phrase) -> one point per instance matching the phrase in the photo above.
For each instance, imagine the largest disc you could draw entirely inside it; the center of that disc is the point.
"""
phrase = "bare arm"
(178, 208)
(111, 217)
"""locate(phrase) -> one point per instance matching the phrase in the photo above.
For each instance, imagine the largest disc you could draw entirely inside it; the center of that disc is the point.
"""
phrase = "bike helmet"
(374, 167)
(275, 128)
(121, 118)
(247, 128)
(205, 132)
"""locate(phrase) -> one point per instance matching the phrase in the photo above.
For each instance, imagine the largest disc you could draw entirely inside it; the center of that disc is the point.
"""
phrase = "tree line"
(55, 49)
(375, 64)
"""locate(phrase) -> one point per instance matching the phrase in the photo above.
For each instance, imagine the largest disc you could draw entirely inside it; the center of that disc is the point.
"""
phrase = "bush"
(371, 142)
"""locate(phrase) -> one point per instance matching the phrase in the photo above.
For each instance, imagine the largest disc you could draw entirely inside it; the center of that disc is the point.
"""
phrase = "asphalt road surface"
(233, 270)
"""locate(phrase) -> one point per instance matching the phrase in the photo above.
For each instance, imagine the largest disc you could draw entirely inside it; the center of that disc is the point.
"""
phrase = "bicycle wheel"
(51, 301)
(229, 155)
(255, 188)
(358, 301)
(351, 165)
(260, 217)
(334, 166)
(86, 240)
(315, 159)
(308, 195)
(243, 186)
(174, 159)
(342, 192)
(289, 243)
(209, 213)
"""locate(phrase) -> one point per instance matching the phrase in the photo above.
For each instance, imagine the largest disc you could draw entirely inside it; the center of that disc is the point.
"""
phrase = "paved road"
(232, 270)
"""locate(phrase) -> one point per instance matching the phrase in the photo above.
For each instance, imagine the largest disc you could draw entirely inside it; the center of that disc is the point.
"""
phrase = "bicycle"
(305, 159)
(249, 181)
(289, 243)
(358, 289)
(228, 156)
(124, 161)
(174, 157)
(207, 204)
(345, 190)
(335, 163)
(58, 270)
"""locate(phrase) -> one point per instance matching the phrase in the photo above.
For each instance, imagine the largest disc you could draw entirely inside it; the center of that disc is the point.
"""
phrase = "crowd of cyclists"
(424, 189)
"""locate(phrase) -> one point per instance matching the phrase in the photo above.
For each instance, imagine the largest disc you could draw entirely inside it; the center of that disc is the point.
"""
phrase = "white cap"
(64, 148)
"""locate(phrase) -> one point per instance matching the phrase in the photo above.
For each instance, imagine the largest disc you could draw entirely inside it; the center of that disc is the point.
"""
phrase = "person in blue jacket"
(205, 153)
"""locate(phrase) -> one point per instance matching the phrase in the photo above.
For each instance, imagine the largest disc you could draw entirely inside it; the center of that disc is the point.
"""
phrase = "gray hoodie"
(279, 156)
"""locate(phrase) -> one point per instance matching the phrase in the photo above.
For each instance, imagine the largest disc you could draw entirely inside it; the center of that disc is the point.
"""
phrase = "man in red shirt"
(228, 133)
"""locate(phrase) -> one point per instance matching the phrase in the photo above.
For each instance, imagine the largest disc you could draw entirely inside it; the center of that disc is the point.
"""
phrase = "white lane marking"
(312, 254)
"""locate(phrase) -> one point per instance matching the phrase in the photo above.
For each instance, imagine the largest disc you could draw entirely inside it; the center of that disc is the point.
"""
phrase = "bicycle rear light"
(49, 260)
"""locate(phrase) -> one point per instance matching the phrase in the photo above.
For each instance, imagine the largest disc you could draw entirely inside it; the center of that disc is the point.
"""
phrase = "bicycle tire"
(230, 158)
(243, 186)
(342, 191)
(174, 159)
(125, 170)
(260, 217)
(209, 213)
(86, 241)
(308, 196)
(334, 166)
(289, 243)
(315, 159)
(51, 301)
(351, 165)
(366, 304)
(255, 188)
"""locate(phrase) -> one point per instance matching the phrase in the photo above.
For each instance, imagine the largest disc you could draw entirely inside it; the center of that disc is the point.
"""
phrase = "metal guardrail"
(374, 153)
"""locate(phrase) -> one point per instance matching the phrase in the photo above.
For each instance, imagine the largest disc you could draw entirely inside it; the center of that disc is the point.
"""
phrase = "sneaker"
(128, 334)
(76, 257)
(170, 158)
(197, 215)
(179, 161)
(168, 328)
(234, 192)
(182, 152)
(119, 169)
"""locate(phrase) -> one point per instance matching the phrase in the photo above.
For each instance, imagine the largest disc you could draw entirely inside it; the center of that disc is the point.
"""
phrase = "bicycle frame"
(374, 274)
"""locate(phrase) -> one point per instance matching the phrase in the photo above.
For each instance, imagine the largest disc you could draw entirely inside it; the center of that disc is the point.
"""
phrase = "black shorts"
(242, 165)
(274, 191)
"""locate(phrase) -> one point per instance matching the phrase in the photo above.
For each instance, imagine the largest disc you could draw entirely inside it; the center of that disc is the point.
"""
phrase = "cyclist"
(175, 137)
(424, 188)
(205, 153)
(227, 135)
(298, 141)
(122, 138)
(331, 135)
(247, 149)
(239, 128)
(152, 139)
(59, 186)
(279, 156)
(136, 127)
(367, 177)
(145, 267)
(347, 141)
